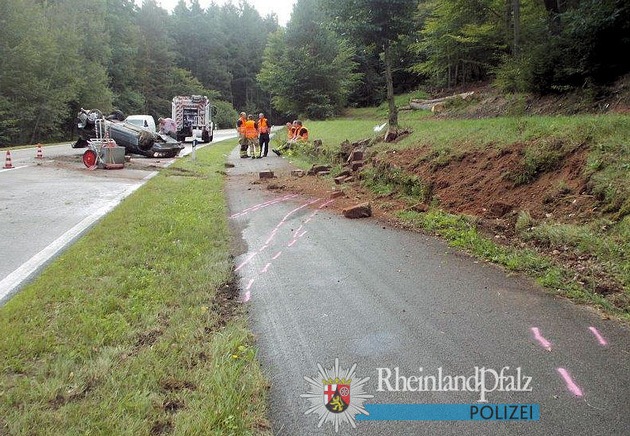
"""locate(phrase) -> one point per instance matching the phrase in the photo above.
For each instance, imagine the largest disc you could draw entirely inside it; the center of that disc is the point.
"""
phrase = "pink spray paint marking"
(303, 233)
(281, 223)
(251, 256)
(263, 248)
(544, 342)
(271, 236)
(264, 270)
(599, 337)
(290, 244)
(277, 255)
(297, 209)
(575, 389)
(326, 204)
(259, 206)
(248, 294)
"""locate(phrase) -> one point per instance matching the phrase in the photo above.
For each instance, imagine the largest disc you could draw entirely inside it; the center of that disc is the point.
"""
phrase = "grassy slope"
(607, 239)
(132, 330)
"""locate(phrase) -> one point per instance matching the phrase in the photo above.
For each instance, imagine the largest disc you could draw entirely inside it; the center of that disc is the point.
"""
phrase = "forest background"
(57, 56)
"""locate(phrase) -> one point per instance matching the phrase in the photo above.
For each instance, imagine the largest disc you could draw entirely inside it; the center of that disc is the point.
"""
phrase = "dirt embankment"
(478, 185)
(493, 186)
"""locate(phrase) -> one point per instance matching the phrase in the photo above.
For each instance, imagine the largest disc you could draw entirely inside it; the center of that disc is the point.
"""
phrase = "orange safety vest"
(263, 125)
(291, 132)
(240, 125)
(250, 129)
(302, 133)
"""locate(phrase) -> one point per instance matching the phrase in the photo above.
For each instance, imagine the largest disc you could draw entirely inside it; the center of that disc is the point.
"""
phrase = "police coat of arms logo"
(336, 395)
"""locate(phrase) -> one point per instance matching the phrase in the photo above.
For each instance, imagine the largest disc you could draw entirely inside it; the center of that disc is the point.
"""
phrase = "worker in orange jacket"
(251, 135)
(298, 133)
(263, 134)
(301, 132)
(240, 129)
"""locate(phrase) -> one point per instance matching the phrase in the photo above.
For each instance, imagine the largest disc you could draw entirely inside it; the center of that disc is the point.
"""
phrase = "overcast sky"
(282, 8)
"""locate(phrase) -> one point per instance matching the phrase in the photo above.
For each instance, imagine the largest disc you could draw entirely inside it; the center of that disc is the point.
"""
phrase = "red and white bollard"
(7, 162)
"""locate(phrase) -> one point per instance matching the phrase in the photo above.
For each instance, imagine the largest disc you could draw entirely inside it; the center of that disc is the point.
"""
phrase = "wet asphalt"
(402, 306)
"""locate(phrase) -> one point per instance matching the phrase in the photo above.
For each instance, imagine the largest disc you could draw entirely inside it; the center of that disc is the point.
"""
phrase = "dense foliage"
(58, 56)
(307, 68)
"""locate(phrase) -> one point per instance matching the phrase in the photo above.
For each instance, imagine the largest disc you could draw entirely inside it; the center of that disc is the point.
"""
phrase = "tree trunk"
(392, 130)
(516, 9)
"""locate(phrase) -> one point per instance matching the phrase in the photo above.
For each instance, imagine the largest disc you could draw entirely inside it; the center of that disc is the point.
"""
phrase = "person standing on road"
(263, 134)
(240, 129)
(251, 136)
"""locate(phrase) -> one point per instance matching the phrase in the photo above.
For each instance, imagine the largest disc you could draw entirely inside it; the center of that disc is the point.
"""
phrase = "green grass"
(545, 141)
(607, 241)
(461, 232)
(128, 332)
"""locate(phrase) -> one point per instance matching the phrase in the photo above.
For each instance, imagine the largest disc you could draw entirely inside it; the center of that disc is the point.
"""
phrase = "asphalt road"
(47, 203)
(320, 287)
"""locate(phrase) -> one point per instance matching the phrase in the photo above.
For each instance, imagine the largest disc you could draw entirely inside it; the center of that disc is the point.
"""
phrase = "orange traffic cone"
(7, 161)
(40, 153)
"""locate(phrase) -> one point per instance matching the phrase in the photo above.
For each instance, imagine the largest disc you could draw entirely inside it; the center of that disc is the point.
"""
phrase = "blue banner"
(451, 412)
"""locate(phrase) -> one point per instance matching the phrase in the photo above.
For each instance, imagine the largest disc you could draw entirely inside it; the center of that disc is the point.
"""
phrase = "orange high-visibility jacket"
(263, 125)
(240, 125)
(302, 133)
(291, 132)
(250, 129)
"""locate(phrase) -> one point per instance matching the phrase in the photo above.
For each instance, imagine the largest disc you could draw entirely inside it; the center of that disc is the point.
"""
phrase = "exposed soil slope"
(482, 184)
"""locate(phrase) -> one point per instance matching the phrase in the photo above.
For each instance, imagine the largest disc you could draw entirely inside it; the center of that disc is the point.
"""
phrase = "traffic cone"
(40, 153)
(7, 161)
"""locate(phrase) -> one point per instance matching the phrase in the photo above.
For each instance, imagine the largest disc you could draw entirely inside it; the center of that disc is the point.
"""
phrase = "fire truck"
(193, 116)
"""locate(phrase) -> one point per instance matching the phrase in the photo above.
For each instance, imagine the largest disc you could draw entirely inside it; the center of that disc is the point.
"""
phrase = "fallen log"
(418, 104)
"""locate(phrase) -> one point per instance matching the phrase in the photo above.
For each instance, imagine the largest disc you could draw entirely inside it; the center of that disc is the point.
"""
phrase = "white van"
(144, 121)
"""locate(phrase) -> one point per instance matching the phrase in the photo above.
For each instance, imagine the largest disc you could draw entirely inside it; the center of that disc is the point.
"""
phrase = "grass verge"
(545, 141)
(136, 329)
(461, 232)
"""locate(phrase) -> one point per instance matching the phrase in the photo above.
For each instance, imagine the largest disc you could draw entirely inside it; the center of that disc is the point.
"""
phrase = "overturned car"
(136, 140)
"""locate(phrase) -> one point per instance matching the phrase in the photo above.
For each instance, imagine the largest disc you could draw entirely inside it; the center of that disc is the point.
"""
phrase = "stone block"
(356, 165)
(362, 210)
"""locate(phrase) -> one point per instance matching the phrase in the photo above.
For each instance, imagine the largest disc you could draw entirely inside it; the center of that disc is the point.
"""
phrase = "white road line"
(13, 281)
(2, 170)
